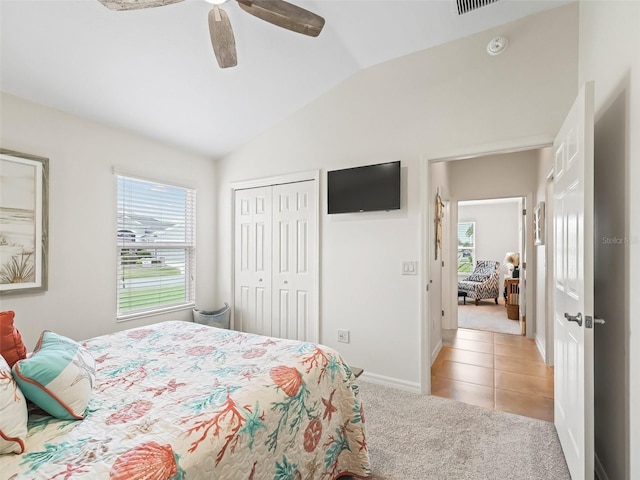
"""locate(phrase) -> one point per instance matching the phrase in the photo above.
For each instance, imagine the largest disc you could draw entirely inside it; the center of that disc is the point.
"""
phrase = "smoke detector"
(497, 45)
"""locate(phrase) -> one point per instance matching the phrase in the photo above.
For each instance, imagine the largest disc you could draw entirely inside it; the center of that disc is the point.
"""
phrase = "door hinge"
(443, 263)
(443, 313)
(524, 265)
(524, 211)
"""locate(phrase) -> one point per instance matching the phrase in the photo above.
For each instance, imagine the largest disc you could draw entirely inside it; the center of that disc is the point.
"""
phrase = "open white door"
(573, 285)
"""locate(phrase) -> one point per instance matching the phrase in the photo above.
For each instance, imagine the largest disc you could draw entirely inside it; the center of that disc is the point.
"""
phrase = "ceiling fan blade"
(135, 4)
(285, 15)
(222, 39)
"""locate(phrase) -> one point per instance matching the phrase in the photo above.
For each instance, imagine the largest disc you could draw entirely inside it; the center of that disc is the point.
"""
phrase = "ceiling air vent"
(465, 6)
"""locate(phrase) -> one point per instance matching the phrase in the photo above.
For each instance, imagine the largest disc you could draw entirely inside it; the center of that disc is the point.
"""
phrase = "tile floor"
(496, 371)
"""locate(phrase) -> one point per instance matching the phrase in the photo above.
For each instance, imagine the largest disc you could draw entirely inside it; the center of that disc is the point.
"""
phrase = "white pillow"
(13, 421)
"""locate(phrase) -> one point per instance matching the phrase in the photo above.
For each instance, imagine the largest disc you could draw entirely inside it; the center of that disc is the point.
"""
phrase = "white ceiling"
(153, 71)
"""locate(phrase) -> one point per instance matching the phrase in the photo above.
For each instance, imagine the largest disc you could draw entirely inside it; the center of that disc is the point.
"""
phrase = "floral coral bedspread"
(178, 400)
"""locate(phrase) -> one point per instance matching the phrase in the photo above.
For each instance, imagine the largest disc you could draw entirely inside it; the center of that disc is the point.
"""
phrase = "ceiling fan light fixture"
(277, 12)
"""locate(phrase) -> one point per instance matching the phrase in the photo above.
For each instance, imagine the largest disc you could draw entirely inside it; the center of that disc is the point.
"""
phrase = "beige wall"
(436, 103)
(81, 299)
(610, 55)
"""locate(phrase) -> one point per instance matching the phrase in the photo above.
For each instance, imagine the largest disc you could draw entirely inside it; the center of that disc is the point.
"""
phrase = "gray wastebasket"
(214, 318)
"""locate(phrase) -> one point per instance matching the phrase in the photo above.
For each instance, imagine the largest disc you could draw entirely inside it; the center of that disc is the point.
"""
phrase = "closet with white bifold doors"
(275, 260)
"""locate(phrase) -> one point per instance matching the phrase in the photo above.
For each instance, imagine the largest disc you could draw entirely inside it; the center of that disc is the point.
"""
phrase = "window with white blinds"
(466, 247)
(156, 247)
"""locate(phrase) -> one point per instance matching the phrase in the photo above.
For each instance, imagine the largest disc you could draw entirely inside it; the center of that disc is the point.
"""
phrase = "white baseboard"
(541, 349)
(391, 382)
(600, 472)
(436, 351)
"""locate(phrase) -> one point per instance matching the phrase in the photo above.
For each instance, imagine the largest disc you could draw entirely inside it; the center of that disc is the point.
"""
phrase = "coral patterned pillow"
(13, 421)
(58, 377)
(11, 345)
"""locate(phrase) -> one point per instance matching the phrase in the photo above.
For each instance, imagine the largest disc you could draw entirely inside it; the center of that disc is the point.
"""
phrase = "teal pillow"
(58, 377)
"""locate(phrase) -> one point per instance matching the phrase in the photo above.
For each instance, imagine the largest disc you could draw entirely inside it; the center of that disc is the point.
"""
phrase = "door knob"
(577, 318)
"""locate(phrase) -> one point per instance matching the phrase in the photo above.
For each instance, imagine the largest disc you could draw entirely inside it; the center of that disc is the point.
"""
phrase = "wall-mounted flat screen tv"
(364, 189)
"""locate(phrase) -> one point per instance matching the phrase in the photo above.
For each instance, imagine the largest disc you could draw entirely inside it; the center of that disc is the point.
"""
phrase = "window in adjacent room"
(156, 247)
(466, 246)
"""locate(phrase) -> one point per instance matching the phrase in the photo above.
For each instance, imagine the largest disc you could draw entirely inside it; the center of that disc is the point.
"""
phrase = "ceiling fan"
(277, 12)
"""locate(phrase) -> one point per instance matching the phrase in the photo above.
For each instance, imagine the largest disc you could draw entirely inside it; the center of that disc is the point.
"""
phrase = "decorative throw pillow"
(11, 345)
(13, 421)
(58, 377)
(476, 277)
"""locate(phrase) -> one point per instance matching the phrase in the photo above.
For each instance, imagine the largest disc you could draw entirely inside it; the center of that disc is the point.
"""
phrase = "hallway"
(495, 371)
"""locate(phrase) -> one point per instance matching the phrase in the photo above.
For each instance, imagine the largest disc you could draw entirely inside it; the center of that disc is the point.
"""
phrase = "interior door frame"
(305, 176)
(522, 230)
(550, 265)
(425, 239)
(525, 216)
(527, 280)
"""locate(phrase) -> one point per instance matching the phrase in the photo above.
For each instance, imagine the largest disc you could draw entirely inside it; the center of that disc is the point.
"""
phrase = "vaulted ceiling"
(153, 71)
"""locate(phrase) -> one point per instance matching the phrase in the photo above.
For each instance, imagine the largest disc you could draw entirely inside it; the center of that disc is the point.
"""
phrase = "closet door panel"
(253, 234)
(294, 282)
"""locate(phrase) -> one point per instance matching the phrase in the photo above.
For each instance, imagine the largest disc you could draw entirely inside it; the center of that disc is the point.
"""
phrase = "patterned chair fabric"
(483, 281)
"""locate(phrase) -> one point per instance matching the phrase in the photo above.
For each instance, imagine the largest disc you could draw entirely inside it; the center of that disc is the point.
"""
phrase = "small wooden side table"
(512, 286)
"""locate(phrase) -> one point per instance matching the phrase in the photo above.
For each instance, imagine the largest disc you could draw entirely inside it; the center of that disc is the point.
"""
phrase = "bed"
(178, 400)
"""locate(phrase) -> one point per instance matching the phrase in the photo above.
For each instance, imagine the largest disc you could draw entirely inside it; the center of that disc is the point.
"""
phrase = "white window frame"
(153, 207)
(472, 248)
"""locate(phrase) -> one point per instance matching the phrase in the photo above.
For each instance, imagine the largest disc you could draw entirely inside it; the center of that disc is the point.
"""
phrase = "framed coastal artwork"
(23, 222)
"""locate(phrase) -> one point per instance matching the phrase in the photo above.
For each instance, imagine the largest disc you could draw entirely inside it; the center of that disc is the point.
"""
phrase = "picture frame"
(24, 222)
(538, 224)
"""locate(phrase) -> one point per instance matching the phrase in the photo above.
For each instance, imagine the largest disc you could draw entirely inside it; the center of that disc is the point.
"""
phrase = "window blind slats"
(466, 246)
(156, 245)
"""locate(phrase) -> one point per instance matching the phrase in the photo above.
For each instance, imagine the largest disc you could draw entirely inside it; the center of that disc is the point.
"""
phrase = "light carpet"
(421, 437)
(486, 316)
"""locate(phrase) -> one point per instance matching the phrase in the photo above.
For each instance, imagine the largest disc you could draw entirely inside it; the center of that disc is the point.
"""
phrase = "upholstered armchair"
(484, 281)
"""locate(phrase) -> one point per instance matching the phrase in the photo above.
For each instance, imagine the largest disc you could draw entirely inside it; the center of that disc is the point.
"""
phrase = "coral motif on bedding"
(129, 413)
(149, 461)
(179, 400)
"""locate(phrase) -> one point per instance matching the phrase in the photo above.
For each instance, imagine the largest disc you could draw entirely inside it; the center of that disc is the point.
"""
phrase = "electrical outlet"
(343, 336)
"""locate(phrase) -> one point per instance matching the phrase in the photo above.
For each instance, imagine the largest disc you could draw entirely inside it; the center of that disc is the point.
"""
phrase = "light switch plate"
(409, 268)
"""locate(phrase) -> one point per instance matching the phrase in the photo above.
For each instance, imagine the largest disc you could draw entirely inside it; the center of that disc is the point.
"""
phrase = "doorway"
(489, 247)
(493, 369)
